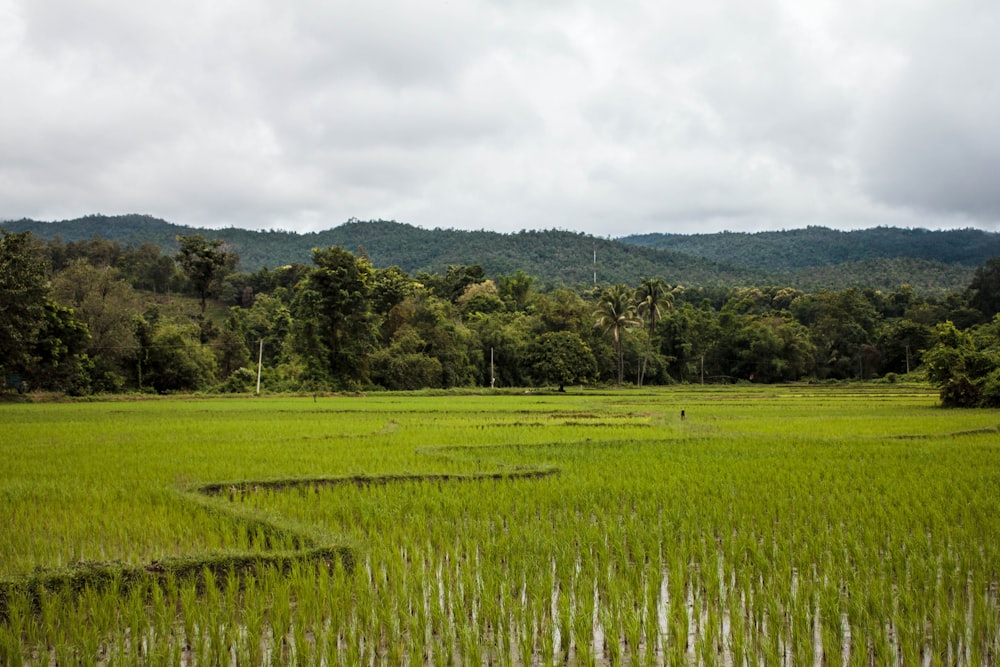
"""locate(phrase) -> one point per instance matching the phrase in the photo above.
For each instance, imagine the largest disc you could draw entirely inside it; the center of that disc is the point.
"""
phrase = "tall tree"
(23, 293)
(516, 288)
(615, 313)
(58, 354)
(561, 357)
(902, 343)
(390, 286)
(504, 339)
(458, 277)
(965, 365)
(448, 339)
(204, 263)
(146, 268)
(334, 315)
(984, 290)
(176, 360)
(842, 327)
(109, 307)
(653, 298)
(763, 348)
(563, 309)
(403, 364)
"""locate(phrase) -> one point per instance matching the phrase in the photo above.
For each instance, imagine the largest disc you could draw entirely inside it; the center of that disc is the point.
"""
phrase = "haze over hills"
(812, 258)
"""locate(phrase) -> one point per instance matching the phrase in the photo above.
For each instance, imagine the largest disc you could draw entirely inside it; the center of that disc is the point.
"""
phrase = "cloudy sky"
(603, 117)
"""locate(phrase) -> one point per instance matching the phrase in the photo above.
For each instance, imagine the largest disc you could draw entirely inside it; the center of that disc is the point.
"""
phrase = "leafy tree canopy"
(561, 357)
(204, 263)
(984, 291)
(965, 365)
(23, 293)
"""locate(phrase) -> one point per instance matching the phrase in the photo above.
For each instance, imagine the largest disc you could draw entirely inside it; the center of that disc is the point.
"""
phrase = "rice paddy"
(805, 525)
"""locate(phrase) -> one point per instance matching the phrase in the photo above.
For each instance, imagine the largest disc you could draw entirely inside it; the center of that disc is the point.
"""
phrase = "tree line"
(95, 316)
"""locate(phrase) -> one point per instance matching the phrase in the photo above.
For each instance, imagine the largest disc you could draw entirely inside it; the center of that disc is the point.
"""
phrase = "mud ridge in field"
(955, 434)
(309, 546)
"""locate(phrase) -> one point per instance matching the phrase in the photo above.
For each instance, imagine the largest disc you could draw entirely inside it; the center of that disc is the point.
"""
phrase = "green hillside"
(820, 246)
(810, 259)
(554, 257)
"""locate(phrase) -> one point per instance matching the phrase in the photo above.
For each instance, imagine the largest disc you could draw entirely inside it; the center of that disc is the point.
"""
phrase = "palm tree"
(615, 313)
(653, 298)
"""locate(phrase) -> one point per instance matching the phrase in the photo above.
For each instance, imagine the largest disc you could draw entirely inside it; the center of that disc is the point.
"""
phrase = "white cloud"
(606, 118)
(931, 141)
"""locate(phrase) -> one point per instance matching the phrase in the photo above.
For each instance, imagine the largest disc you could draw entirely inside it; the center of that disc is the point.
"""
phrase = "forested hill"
(820, 246)
(553, 257)
(810, 259)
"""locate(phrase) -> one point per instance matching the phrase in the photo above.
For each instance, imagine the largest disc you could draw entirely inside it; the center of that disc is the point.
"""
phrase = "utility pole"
(595, 263)
(260, 359)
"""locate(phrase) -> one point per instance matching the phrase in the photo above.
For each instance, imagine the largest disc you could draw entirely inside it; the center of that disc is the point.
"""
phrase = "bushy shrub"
(240, 381)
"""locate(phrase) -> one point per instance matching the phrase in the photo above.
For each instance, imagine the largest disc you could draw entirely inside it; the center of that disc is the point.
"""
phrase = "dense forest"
(95, 315)
(819, 246)
(811, 259)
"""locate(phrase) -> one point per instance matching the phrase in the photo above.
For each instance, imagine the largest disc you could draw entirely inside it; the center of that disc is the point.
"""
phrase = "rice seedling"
(783, 525)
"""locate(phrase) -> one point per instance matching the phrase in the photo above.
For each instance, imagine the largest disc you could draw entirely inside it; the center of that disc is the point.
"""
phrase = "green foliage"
(843, 328)
(480, 298)
(445, 337)
(23, 293)
(561, 357)
(391, 286)
(240, 381)
(108, 306)
(653, 299)
(766, 348)
(902, 342)
(810, 259)
(984, 290)
(42, 343)
(504, 339)
(204, 263)
(268, 320)
(820, 246)
(231, 351)
(344, 324)
(686, 336)
(516, 289)
(174, 359)
(615, 314)
(457, 279)
(338, 293)
(58, 352)
(965, 365)
(404, 365)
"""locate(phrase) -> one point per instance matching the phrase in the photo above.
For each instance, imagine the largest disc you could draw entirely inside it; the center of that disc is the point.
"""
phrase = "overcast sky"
(609, 118)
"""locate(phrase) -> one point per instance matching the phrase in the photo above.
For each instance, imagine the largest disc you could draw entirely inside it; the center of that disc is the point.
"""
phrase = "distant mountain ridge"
(811, 258)
(821, 246)
(554, 257)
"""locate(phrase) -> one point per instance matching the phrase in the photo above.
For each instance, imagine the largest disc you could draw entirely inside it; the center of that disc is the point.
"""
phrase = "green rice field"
(794, 525)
